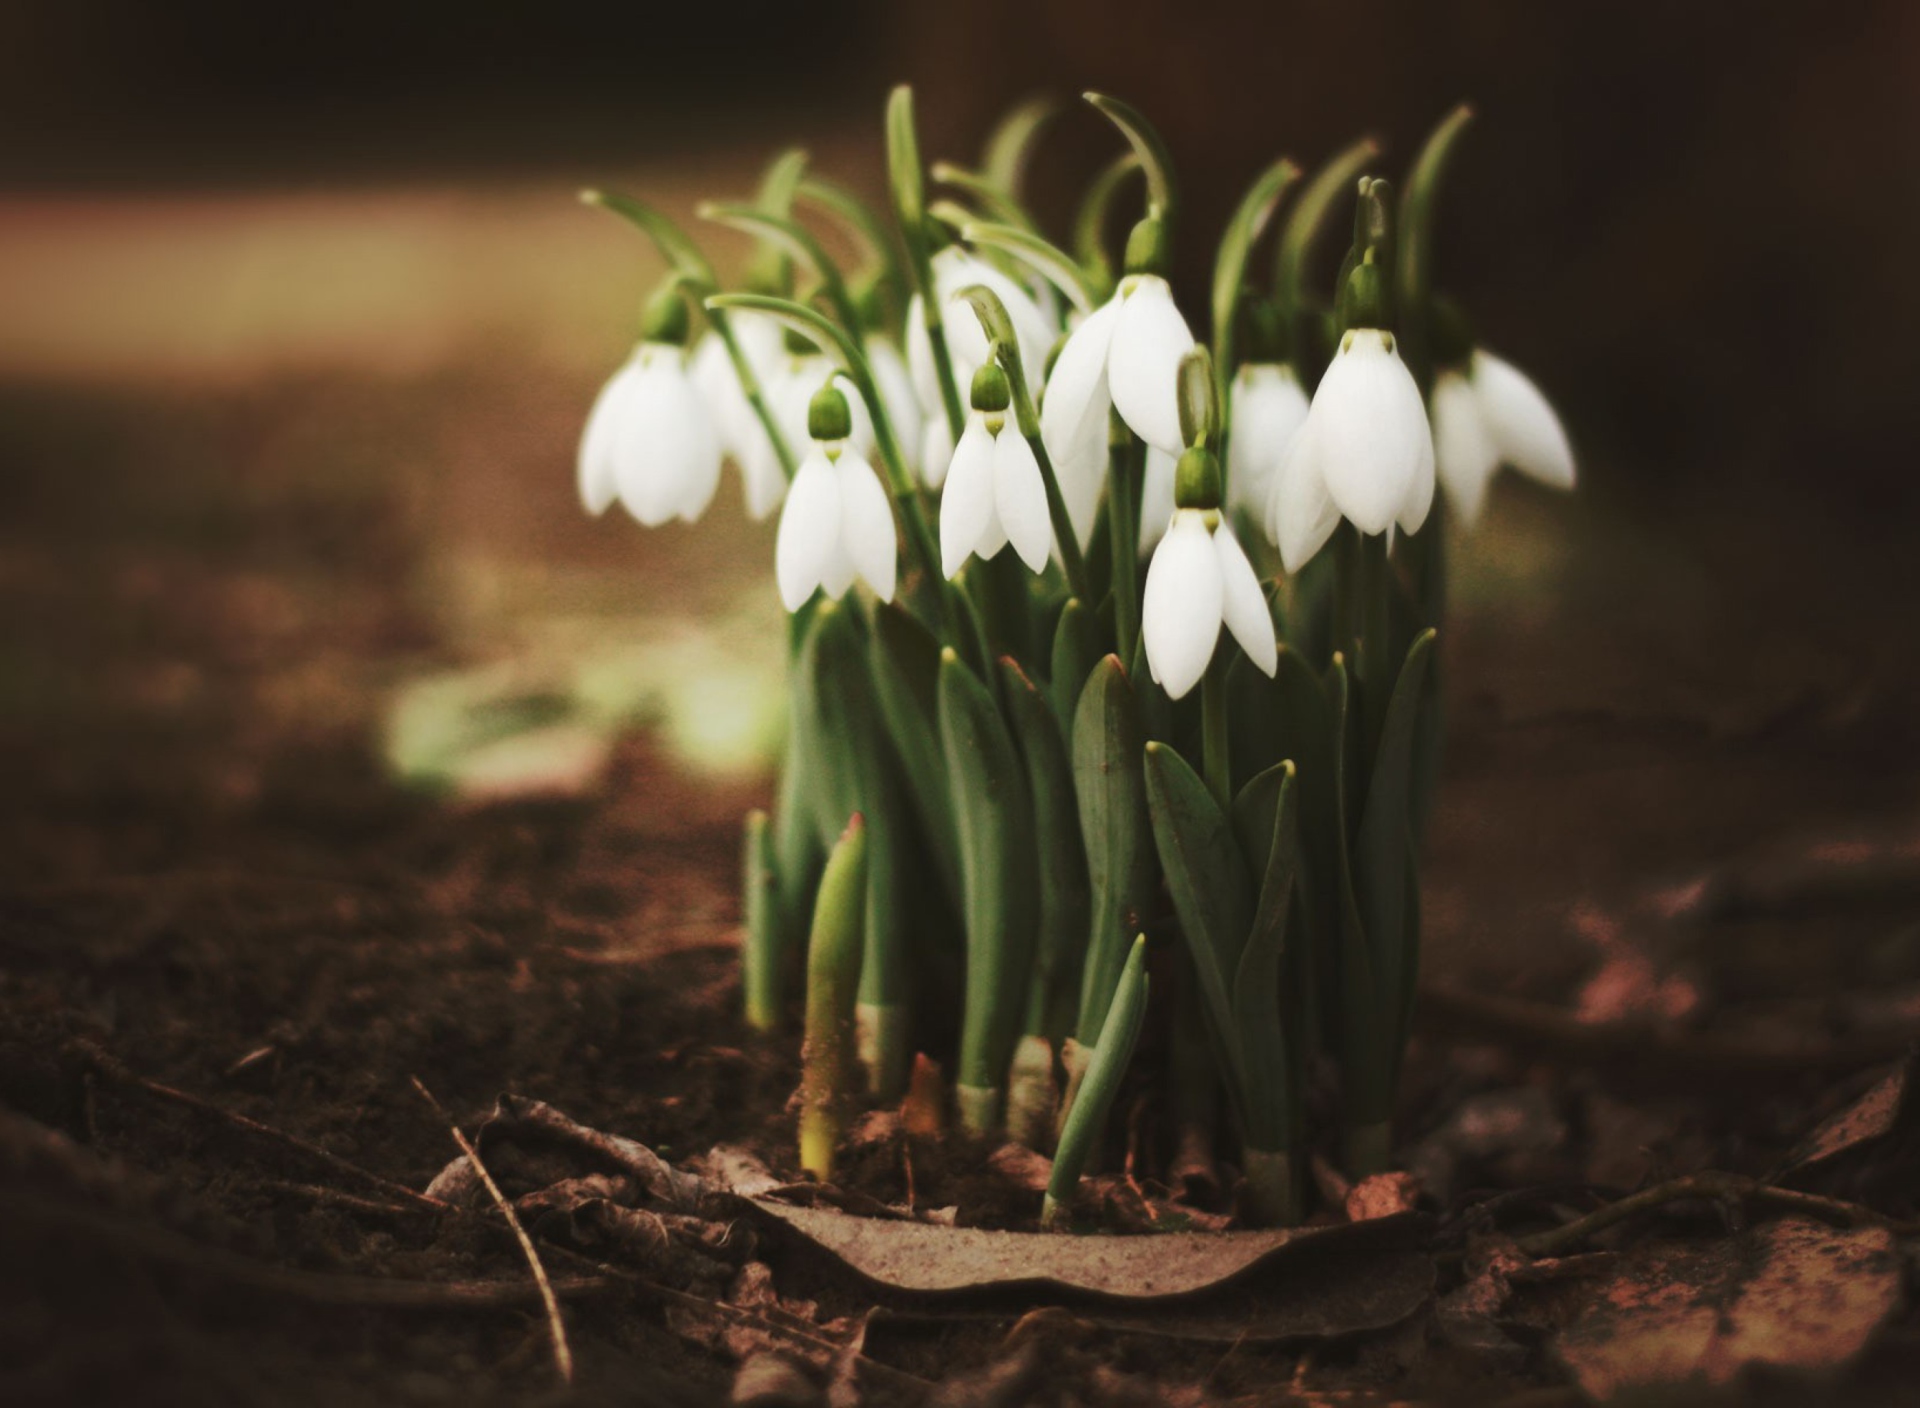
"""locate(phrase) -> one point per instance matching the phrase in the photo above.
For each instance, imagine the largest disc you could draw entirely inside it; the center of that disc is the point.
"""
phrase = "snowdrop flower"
(838, 520)
(1156, 498)
(1365, 452)
(955, 270)
(1199, 581)
(796, 378)
(994, 491)
(650, 439)
(1126, 356)
(742, 436)
(1488, 415)
(1268, 408)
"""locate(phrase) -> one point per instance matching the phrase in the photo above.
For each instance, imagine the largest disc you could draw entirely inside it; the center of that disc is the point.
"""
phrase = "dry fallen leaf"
(1793, 1294)
(1870, 1118)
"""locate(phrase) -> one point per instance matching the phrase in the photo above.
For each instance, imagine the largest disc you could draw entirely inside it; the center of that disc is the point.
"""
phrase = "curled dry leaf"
(1865, 1123)
(1792, 1294)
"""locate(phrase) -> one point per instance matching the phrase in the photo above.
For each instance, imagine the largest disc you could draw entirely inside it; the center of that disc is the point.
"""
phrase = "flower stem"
(1216, 753)
(1376, 646)
(750, 384)
(833, 970)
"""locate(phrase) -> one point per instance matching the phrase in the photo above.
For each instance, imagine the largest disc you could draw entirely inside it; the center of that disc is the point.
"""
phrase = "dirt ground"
(1682, 774)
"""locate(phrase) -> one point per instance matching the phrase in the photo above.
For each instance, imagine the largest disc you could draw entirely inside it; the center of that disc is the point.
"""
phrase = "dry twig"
(562, 1355)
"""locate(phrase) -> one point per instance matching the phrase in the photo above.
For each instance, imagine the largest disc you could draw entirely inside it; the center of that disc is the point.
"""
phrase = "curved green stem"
(1162, 193)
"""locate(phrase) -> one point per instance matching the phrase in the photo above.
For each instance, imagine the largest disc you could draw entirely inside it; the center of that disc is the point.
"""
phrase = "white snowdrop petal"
(1143, 365)
(1073, 414)
(1156, 498)
(1413, 510)
(936, 449)
(1243, 604)
(1372, 428)
(920, 365)
(1020, 498)
(594, 468)
(866, 524)
(687, 443)
(1464, 453)
(955, 270)
(650, 481)
(762, 477)
(1180, 617)
(809, 536)
(895, 385)
(1268, 409)
(1303, 514)
(713, 377)
(967, 515)
(1525, 430)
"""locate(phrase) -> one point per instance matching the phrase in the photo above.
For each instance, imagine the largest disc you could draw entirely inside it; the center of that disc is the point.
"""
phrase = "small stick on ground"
(562, 1355)
(1726, 1187)
(109, 1068)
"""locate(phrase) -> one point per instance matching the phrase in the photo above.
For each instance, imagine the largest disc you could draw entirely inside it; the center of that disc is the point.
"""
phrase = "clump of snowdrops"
(1112, 656)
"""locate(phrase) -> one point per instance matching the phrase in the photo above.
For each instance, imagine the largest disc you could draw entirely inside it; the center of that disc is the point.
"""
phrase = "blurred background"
(299, 319)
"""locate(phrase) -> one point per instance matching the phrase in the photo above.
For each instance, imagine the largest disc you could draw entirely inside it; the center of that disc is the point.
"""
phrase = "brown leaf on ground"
(1792, 1294)
(1022, 1167)
(1864, 1122)
(1382, 1195)
(1468, 1316)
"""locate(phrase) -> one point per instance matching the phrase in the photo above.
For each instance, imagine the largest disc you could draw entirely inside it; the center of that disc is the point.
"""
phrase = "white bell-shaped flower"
(994, 492)
(1125, 356)
(795, 380)
(936, 448)
(1199, 581)
(742, 436)
(650, 440)
(1156, 499)
(1268, 409)
(1489, 416)
(838, 521)
(1365, 452)
(955, 270)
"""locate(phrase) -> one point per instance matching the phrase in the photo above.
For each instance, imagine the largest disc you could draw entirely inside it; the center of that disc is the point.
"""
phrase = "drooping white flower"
(1156, 498)
(1365, 452)
(650, 441)
(895, 384)
(742, 436)
(1123, 356)
(1268, 409)
(790, 389)
(1199, 581)
(837, 525)
(1489, 416)
(955, 270)
(994, 495)
(936, 448)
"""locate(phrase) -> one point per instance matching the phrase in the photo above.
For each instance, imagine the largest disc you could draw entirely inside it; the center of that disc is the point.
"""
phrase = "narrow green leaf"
(1110, 786)
(781, 180)
(906, 674)
(990, 200)
(1261, 1034)
(833, 969)
(1065, 899)
(1037, 253)
(1230, 263)
(1384, 837)
(1367, 1057)
(798, 241)
(853, 213)
(1127, 1009)
(1076, 650)
(995, 822)
(1004, 161)
(762, 953)
(906, 181)
(1330, 185)
(1212, 892)
(1413, 283)
(1090, 224)
(1147, 144)
(674, 246)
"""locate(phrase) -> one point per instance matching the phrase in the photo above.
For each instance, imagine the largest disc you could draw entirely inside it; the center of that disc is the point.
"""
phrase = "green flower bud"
(665, 317)
(1147, 251)
(990, 392)
(1196, 480)
(797, 343)
(1366, 301)
(828, 417)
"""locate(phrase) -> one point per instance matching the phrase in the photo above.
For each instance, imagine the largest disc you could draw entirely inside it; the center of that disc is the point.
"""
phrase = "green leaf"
(1413, 282)
(674, 246)
(1004, 161)
(762, 952)
(1212, 892)
(834, 949)
(1090, 224)
(1127, 1010)
(1230, 263)
(1065, 901)
(1331, 184)
(995, 822)
(993, 201)
(1384, 840)
(788, 234)
(1271, 1070)
(1368, 1058)
(853, 213)
(906, 181)
(1076, 650)
(1147, 144)
(1037, 253)
(905, 659)
(1110, 785)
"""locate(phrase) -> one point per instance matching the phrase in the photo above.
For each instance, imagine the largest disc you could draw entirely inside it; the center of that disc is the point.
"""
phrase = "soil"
(208, 882)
